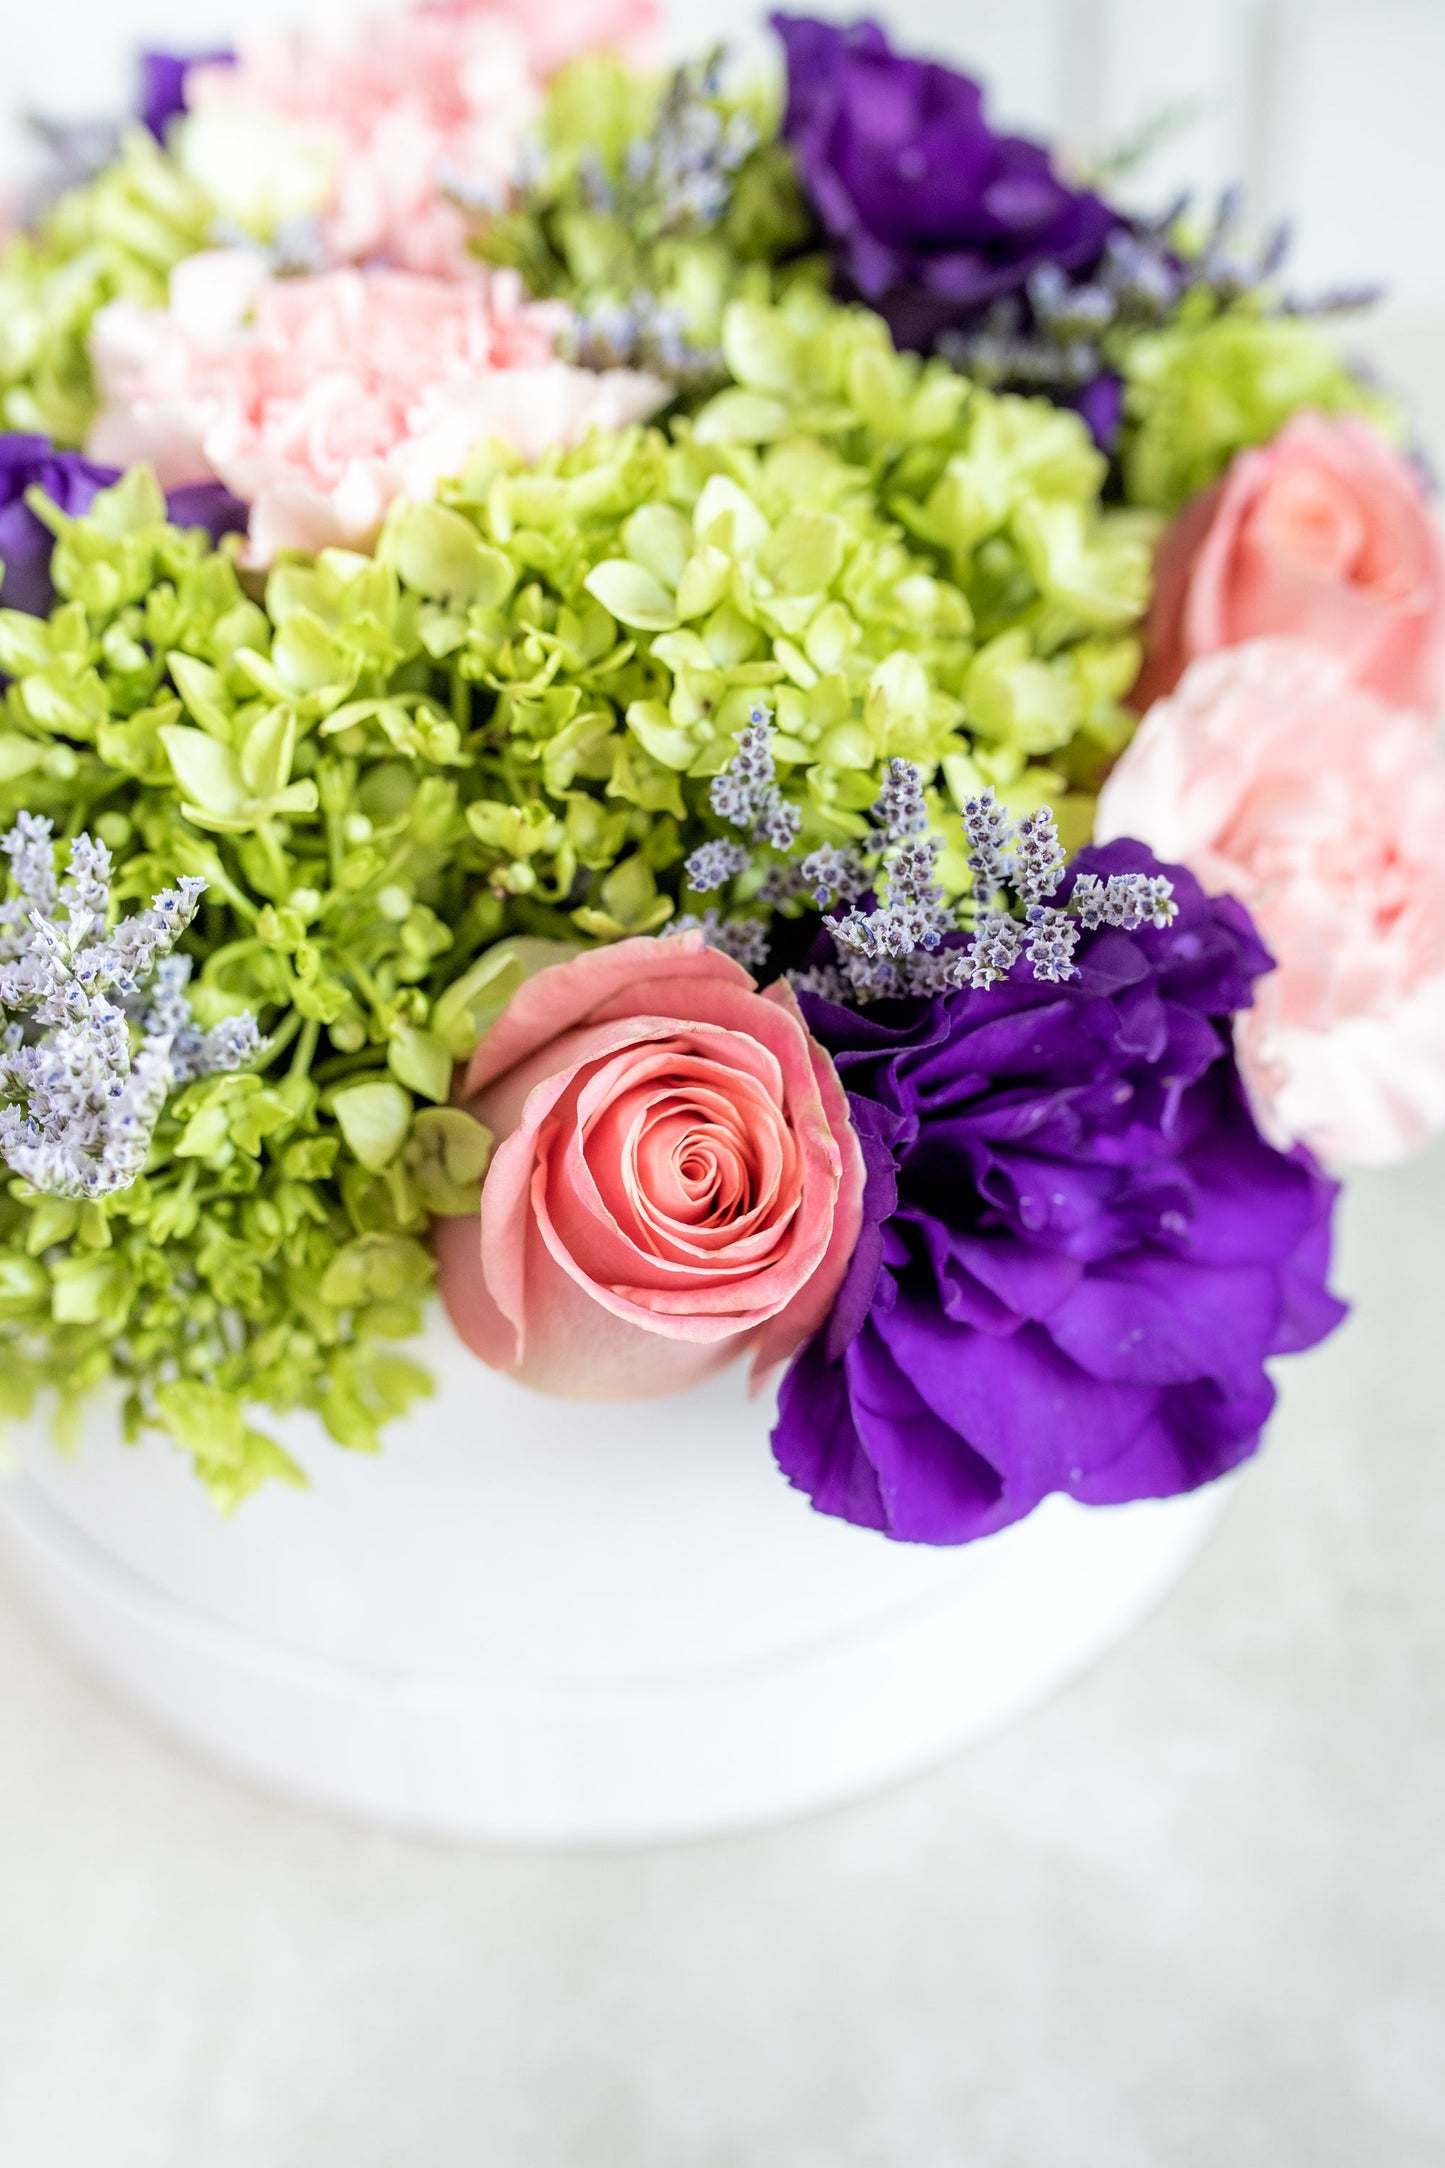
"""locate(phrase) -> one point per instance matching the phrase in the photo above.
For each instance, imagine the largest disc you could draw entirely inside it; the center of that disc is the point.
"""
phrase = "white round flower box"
(538, 1621)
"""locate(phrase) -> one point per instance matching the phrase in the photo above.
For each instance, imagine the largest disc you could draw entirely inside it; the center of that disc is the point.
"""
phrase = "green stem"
(279, 1039)
(363, 979)
(339, 1065)
(306, 1048)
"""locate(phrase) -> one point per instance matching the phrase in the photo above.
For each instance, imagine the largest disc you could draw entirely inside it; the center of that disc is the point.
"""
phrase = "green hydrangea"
(406, 778)
(902, 565)
(307, 761)
(648, 202)
(119, 236)
(1209, 385)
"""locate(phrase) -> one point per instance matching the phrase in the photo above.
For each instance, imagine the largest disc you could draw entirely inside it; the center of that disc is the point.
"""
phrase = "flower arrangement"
(560, 625)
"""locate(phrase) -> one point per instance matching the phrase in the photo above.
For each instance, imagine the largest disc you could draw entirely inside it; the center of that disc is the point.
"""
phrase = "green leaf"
(262, 1461)
(267, 752)
(209, 773)
(447, 1156)
(374, 1118)
(634, 595)
(462, 1015)
(204, 693)
(761, 348)
(704, 582)
(804, 553)
(18, 756)
(379, 1267)
(660, 539)
(24, 1285)
(673, 744)
(742, 417)
(92, 1287)
(727, 517)
(440, 554)
(630, 904)
(421, 1060)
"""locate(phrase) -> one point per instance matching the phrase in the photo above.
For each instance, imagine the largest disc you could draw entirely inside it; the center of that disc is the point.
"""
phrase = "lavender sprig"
(900, 945)
(744, 939)
(882, 950)
(747, 794)
(833, 874)
(1029, 860)
(1067, 333)
(89, 1101)
(713, 865)
(641, 333)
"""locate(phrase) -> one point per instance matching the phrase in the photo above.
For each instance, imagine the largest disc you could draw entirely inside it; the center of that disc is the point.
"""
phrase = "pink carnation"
(405, 101)
(1275, 778)
(676, 1180)
(320, 401)
(1322, 535)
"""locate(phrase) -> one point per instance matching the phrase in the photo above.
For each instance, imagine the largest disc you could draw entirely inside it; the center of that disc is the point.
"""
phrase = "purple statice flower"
(78, 1103)
(931, 216)
(747, 794)
(163, 85)
(1078, 1251)
(745, 940)
(713, 865)
(73, 483)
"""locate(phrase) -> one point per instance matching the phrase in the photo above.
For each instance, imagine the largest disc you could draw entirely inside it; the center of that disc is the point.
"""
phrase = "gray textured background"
(1190, 1915)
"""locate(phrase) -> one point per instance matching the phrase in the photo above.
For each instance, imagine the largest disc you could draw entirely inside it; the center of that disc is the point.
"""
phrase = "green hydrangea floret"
(116, 238)
(408, 779)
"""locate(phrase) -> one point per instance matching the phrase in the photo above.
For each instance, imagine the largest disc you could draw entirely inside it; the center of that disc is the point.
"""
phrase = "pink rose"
(1274, 777)
(320, 401)
(406, 101)
(677, 1179)
(1322, 535)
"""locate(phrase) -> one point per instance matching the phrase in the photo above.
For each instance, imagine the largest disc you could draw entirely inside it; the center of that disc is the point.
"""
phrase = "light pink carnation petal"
(1276, 779)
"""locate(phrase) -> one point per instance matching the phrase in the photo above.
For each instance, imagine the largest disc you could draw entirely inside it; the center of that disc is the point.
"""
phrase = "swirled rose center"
(1316, 520)
(690, 1164)
(1308, 517)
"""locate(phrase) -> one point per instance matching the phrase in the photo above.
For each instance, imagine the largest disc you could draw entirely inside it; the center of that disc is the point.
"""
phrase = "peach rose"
(1271, 775)
(1322, 535)
(320, 401)
(677, 1179)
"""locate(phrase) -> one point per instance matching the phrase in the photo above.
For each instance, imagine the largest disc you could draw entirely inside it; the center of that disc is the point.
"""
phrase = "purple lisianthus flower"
(930, 215)
(1078, 1250)
(163, 86)
(73, 482)
(1101, 406)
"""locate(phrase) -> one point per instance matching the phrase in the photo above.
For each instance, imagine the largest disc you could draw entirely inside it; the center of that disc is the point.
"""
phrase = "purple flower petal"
(929, 213)
(73, 483)
(1078, 1250)
(163, 85)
